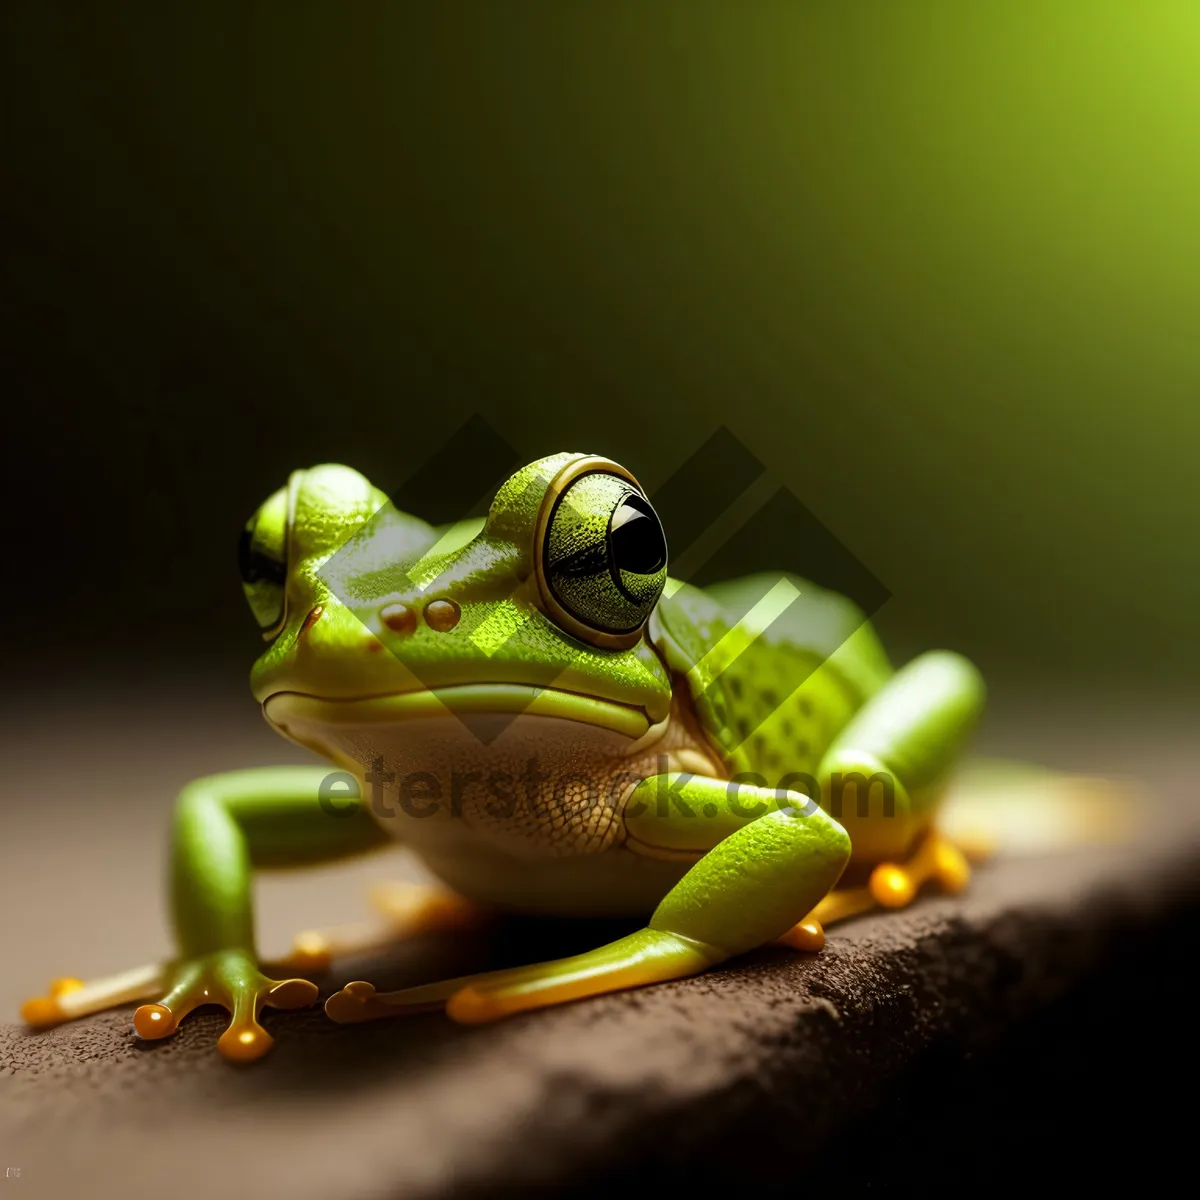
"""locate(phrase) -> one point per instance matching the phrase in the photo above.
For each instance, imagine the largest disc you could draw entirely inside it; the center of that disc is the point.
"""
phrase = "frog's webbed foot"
(231, 979)
(359, 1001)
(408, 910)
(936, 860)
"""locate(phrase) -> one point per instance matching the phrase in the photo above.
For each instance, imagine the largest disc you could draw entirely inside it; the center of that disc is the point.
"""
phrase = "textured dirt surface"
(776, 1068)
(766, 1053)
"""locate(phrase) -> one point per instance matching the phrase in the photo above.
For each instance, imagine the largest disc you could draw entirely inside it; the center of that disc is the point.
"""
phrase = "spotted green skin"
(778, 706)
(813, 694)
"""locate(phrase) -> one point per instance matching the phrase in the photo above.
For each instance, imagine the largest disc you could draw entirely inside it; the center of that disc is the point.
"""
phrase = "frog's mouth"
(476, 700)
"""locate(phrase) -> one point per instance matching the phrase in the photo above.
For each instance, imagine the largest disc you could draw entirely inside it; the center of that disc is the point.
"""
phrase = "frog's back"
(775, 665)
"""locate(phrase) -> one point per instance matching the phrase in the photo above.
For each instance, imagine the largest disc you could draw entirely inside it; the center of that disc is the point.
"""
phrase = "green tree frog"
(553, 725)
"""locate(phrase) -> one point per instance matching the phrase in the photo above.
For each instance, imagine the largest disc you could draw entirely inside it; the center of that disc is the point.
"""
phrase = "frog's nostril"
(399, 618)
(313, 617)
(442, 615)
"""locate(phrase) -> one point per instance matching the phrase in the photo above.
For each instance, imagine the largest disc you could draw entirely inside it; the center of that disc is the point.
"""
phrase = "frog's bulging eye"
(262, 561)
(602, 553)
(255, 565)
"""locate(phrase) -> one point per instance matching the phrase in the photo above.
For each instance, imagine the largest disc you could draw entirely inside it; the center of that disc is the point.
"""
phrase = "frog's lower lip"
(463, 699)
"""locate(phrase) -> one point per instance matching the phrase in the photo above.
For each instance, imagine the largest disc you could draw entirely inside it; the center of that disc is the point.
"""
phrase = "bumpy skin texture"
(753, 710)
(703, 748)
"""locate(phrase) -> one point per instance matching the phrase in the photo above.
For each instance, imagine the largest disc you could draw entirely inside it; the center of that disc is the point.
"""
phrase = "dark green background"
(937, 265)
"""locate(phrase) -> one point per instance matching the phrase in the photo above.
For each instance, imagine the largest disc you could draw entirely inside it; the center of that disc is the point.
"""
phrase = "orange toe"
(154, 1021)
(891, 886)
(41, 1012)
(244, 1043)
(292, 993)
(808, 936)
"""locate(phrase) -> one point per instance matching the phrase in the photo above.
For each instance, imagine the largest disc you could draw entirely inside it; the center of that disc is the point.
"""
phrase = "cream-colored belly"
(519, 812)
(613, 883)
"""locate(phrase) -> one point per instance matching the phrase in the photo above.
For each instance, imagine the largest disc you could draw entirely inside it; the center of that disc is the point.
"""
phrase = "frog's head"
(373, 617)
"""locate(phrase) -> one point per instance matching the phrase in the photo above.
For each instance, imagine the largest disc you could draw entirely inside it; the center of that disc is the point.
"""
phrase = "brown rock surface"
(743, 1075)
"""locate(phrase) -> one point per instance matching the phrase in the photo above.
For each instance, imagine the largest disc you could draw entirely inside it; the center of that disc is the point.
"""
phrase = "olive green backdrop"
(936, 265)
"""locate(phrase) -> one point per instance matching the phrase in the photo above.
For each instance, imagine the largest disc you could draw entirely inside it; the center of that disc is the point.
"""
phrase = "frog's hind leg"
(406, 910)
(884, 778)
(66, 999)
(719, 909)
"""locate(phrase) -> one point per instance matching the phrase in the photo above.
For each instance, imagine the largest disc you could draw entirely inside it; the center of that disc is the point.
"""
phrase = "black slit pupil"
(638, 544)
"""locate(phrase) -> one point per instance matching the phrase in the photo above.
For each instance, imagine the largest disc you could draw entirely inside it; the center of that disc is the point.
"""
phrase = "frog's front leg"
(884, 776)
(764, 860)
(225, 826)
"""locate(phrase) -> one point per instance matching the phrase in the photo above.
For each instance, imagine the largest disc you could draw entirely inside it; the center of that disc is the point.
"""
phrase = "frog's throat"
(284, 708)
